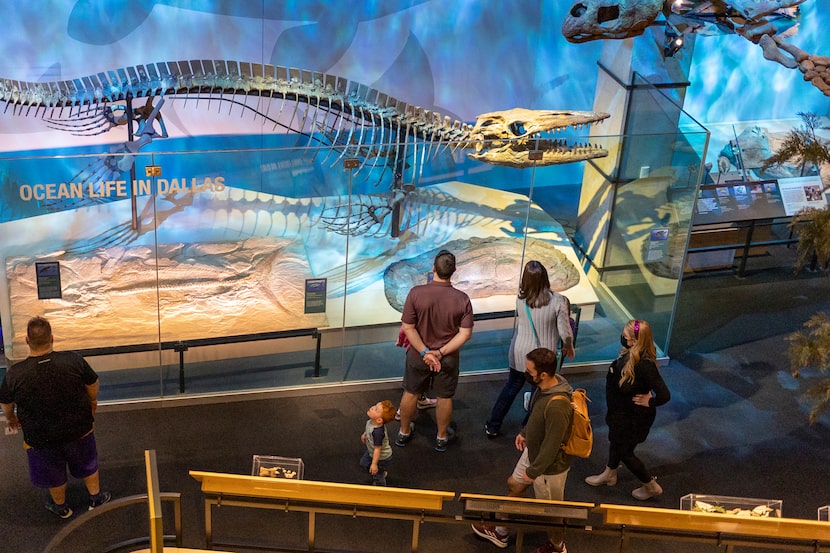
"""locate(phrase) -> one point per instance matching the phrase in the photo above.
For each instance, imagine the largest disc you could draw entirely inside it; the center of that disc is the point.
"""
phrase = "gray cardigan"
(551, 322)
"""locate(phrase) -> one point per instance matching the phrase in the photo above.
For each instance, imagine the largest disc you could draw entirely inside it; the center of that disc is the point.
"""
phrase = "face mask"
(623, 341)
(529, 378)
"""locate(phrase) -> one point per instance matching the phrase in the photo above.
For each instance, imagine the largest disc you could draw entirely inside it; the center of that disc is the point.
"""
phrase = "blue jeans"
(515, 383)
(378, 479)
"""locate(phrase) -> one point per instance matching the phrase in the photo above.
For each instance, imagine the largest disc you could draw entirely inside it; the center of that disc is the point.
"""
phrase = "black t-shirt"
(50, 393)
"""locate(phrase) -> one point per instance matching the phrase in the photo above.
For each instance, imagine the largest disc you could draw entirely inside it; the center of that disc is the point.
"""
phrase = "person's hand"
(373, 470)
(642, 399)
(363, 438)
(568, 351)
(521, 442)
(432, 361)
(13, 422)
(527, 478)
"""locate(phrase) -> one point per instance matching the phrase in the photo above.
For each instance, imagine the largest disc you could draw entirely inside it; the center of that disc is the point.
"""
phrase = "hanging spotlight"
(672, 43)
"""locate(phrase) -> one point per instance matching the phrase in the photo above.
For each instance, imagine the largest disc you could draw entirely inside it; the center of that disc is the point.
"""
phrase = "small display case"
(824, 513)
(738, 506)
(272, 466)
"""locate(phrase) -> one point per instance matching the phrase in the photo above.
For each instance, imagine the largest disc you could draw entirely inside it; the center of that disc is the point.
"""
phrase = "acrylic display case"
(273, 466)
(824, 513)
(739, 506)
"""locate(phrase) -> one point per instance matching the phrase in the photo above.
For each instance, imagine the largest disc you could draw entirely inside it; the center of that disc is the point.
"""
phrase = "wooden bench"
(318, 497)
(715, 528)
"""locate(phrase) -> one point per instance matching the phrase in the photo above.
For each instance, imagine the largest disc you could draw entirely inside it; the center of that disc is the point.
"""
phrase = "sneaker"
(491, 533)
(549, 547)
(62, 510)
(99, 499)
(403, 439)
(425, 402)
(380, 480)
(491, 433)
(441, 443)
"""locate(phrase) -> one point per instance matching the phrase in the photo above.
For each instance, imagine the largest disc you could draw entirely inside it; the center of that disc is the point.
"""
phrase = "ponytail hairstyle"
(643, 348)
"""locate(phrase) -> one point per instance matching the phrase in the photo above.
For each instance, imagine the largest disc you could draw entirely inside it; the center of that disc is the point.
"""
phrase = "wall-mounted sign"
(315, 295)
(48, 280)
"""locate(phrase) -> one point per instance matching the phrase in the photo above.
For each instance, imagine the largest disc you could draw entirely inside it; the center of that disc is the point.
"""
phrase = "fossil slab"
(484, 267)
(134, 295)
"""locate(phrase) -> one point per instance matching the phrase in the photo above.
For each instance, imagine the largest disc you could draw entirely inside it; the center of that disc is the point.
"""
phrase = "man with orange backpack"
(543, 464)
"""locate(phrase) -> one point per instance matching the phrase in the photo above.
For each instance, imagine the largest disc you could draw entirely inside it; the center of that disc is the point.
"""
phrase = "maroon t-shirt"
(437, 310)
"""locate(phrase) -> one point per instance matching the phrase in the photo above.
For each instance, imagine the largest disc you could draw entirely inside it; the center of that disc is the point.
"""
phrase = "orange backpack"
(581, 440)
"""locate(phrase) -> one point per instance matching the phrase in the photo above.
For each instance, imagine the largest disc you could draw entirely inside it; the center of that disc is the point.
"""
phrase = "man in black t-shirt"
(52, 396)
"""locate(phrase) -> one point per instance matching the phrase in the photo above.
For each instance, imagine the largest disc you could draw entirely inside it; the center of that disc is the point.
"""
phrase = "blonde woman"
(633, 391)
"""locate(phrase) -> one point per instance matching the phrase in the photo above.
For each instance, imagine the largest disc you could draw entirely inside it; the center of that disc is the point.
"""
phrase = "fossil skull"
(609, 19)
(508, 137)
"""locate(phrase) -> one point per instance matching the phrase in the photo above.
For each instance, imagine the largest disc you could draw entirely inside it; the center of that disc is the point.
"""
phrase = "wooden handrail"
(214, 483)
(521, 513)
(716, 523)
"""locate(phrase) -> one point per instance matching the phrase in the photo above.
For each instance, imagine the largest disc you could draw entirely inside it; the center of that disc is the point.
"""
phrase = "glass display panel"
(195, 279)
(654, 192)
(194, 231)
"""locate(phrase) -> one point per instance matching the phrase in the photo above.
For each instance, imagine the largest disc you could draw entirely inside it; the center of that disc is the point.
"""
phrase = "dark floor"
(736, 426)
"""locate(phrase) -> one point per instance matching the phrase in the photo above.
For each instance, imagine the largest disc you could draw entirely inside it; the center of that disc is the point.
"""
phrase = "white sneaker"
(426, 402)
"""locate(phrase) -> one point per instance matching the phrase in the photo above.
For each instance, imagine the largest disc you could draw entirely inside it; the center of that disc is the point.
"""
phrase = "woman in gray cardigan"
(543, 317)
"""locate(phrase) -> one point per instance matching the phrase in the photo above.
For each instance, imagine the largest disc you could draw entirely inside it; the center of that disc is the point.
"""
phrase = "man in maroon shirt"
(437, 320)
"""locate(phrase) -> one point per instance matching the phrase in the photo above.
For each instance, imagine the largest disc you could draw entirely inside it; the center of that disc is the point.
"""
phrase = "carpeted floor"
(736, 426)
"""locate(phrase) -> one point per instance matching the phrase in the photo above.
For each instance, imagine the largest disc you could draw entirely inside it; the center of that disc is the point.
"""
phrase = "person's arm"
(658, 386)
(521, 442)
(658, 391)
(415, 340)
(11, 416)
(465, 332)
(433, 357)
(373, 470)
(563, 325)
(460, 338)
(92, 393)
(430, 357)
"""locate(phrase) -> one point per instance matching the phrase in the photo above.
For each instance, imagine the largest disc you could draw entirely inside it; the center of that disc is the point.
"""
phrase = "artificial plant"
(810, 348)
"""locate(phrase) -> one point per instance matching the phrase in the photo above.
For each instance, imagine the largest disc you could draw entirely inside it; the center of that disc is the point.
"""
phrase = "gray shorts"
(419, 379)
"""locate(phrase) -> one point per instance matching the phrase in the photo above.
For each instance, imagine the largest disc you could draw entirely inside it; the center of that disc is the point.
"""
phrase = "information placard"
(658, 245)
(48, 280)
(738, 201)
(315, 295)
(802, 192)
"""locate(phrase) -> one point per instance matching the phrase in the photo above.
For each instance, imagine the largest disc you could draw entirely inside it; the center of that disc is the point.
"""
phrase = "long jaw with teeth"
(523, 138)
